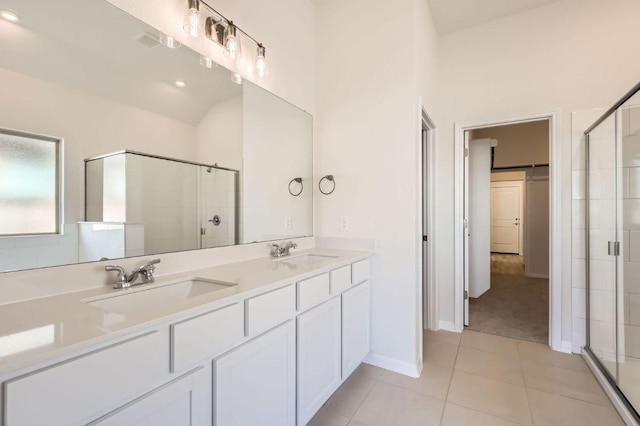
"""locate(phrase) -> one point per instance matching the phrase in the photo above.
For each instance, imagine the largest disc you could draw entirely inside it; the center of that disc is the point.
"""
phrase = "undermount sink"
(307, 259)
(154, 295)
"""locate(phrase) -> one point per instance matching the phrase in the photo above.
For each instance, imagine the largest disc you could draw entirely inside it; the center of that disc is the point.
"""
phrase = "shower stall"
(612, 239)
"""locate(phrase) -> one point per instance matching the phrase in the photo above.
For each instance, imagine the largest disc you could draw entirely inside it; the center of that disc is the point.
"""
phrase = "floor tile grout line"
(524, 380)
(377, 381)
(488, 414)
(574, 399)
(453, 370)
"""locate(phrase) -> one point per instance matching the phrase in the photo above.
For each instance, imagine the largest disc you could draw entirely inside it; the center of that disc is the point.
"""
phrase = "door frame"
(555, 210)
(523, 217)
(430, 313)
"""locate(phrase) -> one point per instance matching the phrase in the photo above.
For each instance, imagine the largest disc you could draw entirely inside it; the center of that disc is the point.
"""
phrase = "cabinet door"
(319, 357)
(185, 401)
(255, 384)
(356, 333)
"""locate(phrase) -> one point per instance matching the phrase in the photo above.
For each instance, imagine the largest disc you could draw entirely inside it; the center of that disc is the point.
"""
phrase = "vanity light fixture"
(260, 68)
(191, 23)
(226, 34)
(9, 15)
(232, 46)
(169, 41)
(180, 84)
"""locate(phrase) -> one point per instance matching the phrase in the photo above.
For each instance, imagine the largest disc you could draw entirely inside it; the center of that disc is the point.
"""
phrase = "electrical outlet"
(287, 222)
(344, 223)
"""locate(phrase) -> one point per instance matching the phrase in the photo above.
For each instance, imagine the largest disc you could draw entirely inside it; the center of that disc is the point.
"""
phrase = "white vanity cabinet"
(255, 384)
(356, 326)
(319, 357)
(184, 401)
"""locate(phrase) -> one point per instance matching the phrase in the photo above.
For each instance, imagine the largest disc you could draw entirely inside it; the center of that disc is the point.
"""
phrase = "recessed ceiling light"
(180, 83)
(9, 15)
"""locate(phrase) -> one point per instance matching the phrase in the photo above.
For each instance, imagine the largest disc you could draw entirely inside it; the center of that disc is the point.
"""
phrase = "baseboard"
(621, 407)
(566, 346)
(447, 326)
(392, 364)
(530, 275)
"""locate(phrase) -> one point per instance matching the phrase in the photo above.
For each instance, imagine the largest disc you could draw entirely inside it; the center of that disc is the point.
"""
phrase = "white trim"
(617, 402)
(392, 364)
(555, 254)
(567, 346)
(448, 326)
(429, 294)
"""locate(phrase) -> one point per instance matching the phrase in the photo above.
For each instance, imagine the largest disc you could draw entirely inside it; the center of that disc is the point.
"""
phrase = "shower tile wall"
(218, 198)
(629, 344)
(163, 196)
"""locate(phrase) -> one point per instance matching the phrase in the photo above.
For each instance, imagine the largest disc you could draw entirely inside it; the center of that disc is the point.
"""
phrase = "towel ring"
(299, 180)
(330, 179)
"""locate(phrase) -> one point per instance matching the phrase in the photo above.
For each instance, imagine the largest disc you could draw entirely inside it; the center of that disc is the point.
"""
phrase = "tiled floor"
(474, 379)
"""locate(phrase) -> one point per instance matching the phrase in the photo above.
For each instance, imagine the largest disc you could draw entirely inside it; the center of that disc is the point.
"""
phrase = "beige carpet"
(516, 306)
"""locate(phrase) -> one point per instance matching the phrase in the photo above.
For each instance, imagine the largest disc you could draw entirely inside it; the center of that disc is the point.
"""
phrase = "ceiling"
(55, 42)
(453, 15)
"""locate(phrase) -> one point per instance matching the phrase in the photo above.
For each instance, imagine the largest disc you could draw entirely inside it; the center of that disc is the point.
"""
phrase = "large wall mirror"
(114, 145)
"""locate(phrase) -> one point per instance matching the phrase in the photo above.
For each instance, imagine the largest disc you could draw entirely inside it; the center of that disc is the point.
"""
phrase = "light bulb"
(192, 18)
(180, 84)
(232, 47)
(169, 41)
(207, 62)
(236, 78)
(260, 68)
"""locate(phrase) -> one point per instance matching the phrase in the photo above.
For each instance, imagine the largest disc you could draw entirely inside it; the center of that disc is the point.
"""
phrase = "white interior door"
(478, 231)
(506, 217)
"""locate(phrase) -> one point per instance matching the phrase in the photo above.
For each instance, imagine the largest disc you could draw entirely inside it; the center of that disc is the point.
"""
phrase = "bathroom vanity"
(267, 343)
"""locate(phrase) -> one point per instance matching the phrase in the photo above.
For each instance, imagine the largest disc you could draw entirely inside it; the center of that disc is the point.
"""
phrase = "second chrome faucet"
(125, 281)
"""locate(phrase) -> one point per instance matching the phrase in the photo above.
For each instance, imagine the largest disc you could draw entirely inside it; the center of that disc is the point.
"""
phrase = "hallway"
(474, 379)
(515, 306)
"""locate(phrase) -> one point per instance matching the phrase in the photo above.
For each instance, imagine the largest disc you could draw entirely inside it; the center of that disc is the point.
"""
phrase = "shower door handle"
(614, 248)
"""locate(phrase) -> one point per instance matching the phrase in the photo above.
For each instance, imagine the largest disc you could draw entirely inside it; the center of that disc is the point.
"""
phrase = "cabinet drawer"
(313, 291)
(340, 279)
(360, 271)
(206, 336)
(76, 390)
(270, 309)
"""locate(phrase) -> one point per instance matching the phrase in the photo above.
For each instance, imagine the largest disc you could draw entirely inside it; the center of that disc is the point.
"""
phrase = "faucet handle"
(121, 280)
(153, 262)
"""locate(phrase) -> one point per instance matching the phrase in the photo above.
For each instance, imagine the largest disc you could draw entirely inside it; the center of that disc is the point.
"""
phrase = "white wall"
(367, 134)
(219, 134)
(276, 149)
(564, 56)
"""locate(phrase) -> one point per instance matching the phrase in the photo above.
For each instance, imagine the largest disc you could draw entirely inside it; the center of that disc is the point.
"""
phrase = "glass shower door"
(628, 268)
(602, 190)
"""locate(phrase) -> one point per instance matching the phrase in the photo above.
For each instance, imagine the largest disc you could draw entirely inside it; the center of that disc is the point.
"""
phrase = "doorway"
(507, 268)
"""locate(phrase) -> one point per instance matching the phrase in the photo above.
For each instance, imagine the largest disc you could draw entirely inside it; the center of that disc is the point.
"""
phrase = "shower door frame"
(600, 371)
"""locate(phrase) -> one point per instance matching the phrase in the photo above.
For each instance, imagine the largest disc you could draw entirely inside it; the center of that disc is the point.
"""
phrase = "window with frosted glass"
(29, 196)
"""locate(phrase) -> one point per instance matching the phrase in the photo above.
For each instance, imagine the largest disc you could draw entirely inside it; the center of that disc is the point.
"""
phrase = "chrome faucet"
(282, 250)
(125, 281)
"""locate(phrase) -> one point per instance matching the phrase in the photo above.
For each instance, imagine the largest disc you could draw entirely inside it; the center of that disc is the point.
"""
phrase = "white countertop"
(51, 328)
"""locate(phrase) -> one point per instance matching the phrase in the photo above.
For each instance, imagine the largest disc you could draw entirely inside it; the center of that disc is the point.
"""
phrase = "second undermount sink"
(154, 295)
(307, 259)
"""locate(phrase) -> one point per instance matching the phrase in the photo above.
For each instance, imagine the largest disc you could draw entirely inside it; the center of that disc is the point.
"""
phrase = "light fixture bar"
(226, 20)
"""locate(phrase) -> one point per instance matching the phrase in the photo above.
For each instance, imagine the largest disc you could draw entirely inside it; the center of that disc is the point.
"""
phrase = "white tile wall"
(39, 251)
